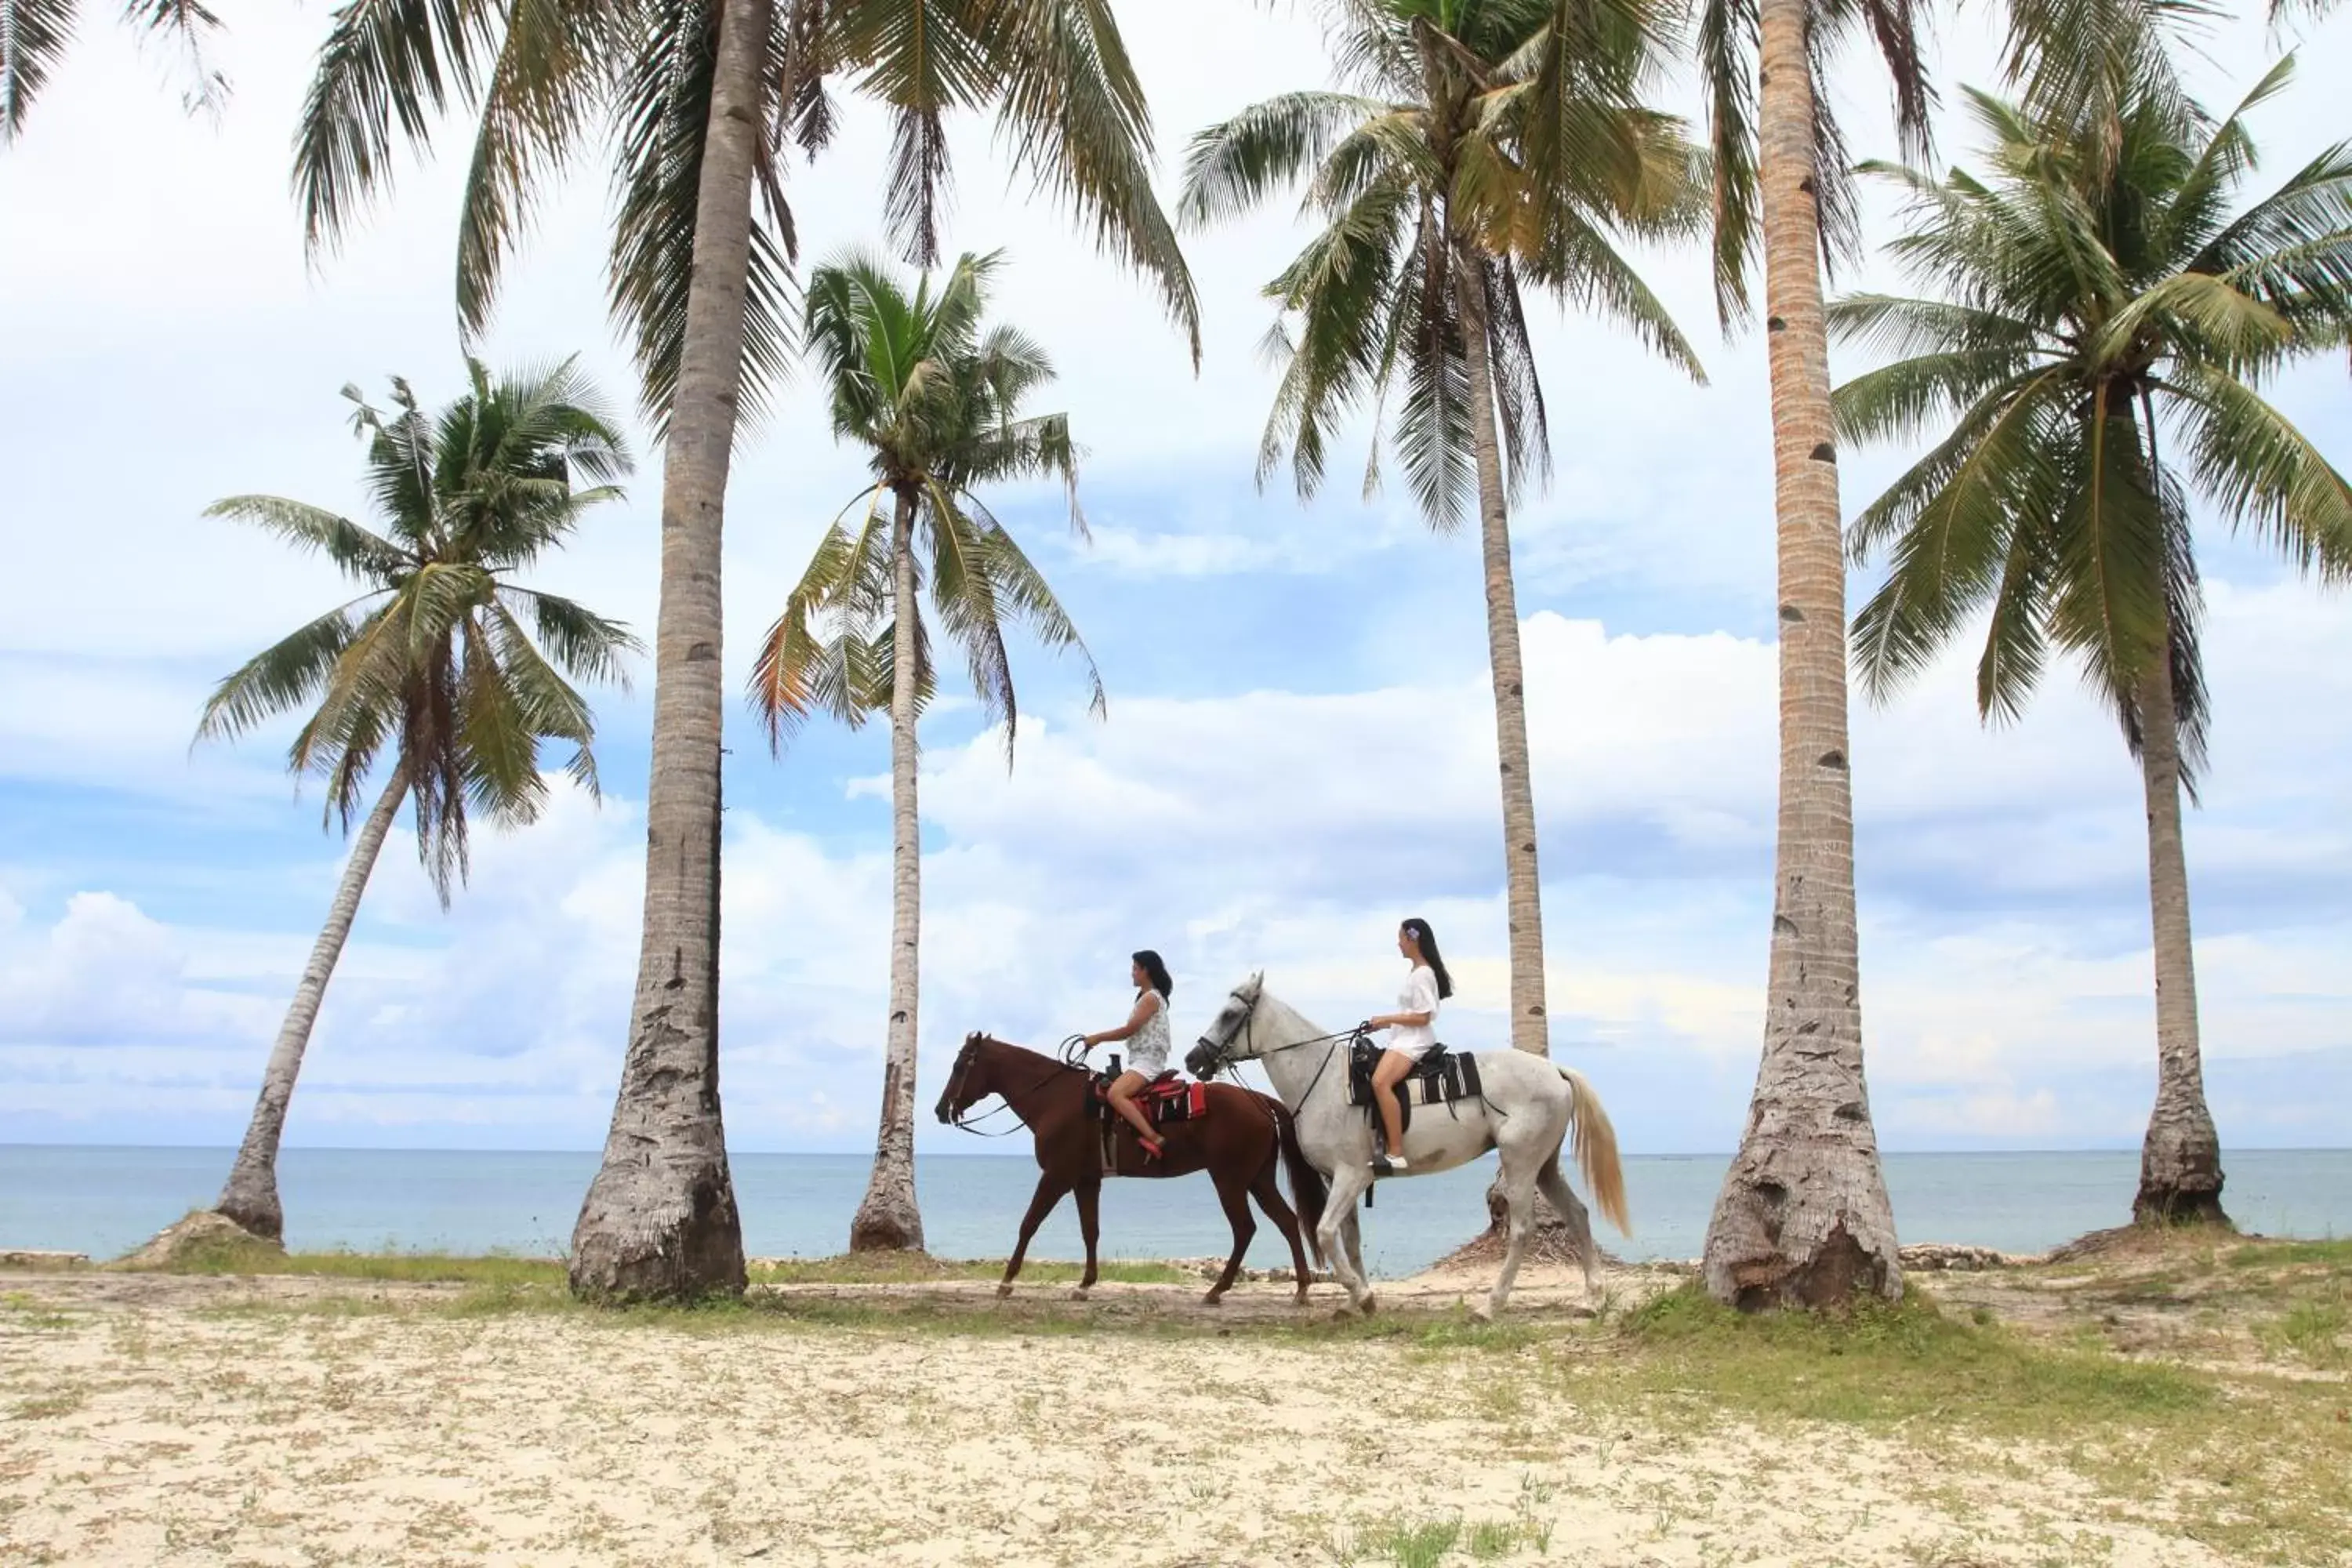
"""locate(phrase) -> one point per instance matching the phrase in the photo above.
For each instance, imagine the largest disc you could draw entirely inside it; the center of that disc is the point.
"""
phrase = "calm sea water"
(105, 1201)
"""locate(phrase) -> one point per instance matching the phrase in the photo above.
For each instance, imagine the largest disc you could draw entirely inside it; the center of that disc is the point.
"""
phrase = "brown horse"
(1238, 1141)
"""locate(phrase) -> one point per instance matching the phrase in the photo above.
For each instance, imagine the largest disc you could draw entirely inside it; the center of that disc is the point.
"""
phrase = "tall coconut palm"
(445, 675)
(1803, 1218)
(704, 96)
(1489, 145)
(2094, 361)
(935, 401)
(35, 33)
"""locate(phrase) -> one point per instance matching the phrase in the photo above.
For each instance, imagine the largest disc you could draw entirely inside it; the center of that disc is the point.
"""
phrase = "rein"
(964, 1123)
(1249, 1014)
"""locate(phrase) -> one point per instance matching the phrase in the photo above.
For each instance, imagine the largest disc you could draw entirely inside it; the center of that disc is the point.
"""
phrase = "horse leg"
(1235, 1199)
(1519, 1202)
(1563, 1198)
(1347, 1185)
(1351, 1236)
(1050, 1188)
(1089, 1194)
(1268, 1193)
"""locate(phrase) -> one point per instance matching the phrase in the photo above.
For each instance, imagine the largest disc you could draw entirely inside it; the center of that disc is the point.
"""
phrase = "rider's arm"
(1143, 1006)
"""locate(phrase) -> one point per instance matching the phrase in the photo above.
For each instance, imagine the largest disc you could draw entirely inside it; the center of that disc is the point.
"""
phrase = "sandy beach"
(163, 1419)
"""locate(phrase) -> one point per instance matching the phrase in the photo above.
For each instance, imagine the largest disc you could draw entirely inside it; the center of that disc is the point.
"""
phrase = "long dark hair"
(1427, 939)
(1158, 972)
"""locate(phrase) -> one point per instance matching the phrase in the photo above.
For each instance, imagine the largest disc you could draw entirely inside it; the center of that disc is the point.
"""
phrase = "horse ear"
(1258, 982)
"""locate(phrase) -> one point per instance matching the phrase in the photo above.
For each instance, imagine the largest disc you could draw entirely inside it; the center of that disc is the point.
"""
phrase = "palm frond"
(34, 36)
(387, 71)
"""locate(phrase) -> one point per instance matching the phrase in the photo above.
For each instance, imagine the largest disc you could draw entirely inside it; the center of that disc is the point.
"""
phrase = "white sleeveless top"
(1419, 996)
(1148, 1046)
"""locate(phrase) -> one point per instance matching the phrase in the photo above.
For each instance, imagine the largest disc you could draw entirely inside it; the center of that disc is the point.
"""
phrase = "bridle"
(1220, 1051)
(965, 1123)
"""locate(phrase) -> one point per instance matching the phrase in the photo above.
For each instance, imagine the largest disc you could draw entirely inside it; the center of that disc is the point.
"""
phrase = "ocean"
(106, 1201)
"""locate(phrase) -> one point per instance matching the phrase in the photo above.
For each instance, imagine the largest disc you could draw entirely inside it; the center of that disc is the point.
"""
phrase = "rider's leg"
(1122, 1099)
(1393, 1068)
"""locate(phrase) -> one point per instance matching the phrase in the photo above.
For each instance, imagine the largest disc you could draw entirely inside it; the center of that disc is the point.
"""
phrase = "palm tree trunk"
(887, 1220)
(1803, 1219)
(251, 1195)
(659, 1218)
(1522, 888)
(2180, 1163)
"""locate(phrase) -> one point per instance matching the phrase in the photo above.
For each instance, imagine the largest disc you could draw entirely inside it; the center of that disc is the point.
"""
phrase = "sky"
(1299, 747)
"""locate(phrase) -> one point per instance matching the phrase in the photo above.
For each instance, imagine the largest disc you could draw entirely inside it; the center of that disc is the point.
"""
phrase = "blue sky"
(1299, 750)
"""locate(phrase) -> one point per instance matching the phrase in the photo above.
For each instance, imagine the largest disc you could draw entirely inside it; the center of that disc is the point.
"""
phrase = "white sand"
(151, 1421)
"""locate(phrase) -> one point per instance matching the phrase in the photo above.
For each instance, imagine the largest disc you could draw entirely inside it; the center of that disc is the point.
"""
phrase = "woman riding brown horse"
(1238, 1140)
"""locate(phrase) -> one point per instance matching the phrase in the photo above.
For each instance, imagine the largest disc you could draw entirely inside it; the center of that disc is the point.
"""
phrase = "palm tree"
(2105, 326)
(936, 402)
(1491, 145)
(444, 667)
(704, 95)
(1803, 1218)
(34, 36)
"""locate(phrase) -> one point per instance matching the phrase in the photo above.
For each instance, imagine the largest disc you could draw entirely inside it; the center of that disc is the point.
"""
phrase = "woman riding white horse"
(1527, 1108)
(1426, 985)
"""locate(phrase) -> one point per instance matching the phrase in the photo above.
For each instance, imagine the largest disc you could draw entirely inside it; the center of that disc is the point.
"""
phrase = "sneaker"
(1389, 1165)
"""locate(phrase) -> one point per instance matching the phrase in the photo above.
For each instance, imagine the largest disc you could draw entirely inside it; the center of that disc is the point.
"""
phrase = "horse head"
(968, 1081)
(1231, 1036)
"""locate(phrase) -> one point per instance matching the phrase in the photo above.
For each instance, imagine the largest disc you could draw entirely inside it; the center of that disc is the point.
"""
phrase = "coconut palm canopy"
(1501, 142)
(936, 398)
(445, 665)
(2097, 351)
(547, 82)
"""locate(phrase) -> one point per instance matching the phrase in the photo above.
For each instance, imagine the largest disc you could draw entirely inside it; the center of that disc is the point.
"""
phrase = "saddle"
(1439, 1078)
(1164, 1099)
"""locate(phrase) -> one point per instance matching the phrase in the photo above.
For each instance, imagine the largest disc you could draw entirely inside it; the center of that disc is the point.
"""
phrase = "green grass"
(1883, 1365)
(237, 1257)
(896, 1268)
(1420, 1545)
(2249, 1463)
(2292, 1254)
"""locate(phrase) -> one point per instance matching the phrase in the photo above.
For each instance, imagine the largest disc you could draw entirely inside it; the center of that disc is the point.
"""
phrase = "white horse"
(1528, 1108)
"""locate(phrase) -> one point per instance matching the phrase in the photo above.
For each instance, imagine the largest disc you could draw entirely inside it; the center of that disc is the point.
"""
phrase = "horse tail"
(1595, 1143)
(1308, 1190)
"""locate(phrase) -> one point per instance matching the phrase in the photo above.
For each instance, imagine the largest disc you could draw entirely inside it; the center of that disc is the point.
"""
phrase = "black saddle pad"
(1439, 1078)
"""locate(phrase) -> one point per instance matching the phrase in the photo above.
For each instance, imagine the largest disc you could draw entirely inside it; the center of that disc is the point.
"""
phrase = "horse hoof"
(1003, 1291)
(1371, 1304)
(1482, 1312)
(1299, 1298)
(1212, 1297)
(1079, 1294)
(1344, 1314)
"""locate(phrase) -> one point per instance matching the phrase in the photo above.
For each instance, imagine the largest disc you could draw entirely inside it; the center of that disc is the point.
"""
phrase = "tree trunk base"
(1769, 1247)
(2167, 1206)
(885, 1225)
(635, 1246)
(250, 1200)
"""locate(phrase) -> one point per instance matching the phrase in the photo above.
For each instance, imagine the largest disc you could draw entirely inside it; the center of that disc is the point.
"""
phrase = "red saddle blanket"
(1165, 1099)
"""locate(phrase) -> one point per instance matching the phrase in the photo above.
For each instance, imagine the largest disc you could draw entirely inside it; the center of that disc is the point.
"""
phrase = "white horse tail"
(1595, 1141)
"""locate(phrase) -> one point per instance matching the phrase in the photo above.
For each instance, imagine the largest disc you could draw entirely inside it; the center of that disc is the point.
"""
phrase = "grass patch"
(1882, 1366)
(916, 1267)
(2292, 1254)
(2251, 1465)
(1417, 1544)
(2312, 1330)
(248, 1256)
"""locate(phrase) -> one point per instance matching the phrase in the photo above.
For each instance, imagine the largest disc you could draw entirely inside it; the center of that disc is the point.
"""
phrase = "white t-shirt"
(1419, 996)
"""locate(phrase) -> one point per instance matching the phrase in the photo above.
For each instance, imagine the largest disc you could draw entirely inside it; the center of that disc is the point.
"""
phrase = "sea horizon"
(103, 1200)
